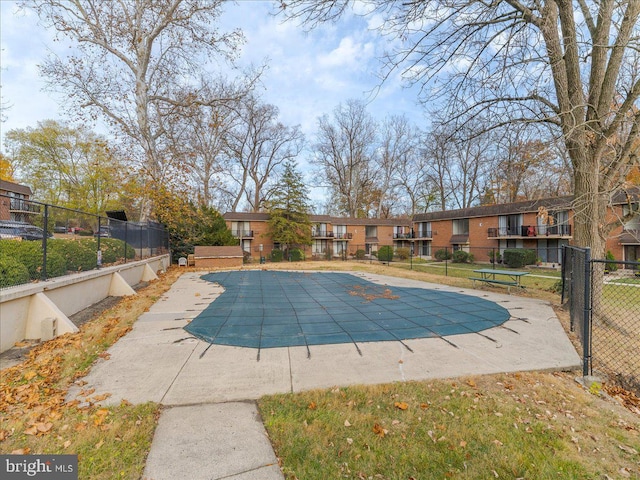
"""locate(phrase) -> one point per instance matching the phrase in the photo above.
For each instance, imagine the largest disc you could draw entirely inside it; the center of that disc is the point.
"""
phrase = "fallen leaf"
(67, 444)
(498, 443)
(99, 398)
(44, 427)
(471, 383)
(29, 375)
(378, 430)
(424, 406)
(350, 441)
(630, 450)
(401, 405)
(32, 430)
(463, 443)
(346, 423)
(312, 406)
(99, 444)
(21, 451)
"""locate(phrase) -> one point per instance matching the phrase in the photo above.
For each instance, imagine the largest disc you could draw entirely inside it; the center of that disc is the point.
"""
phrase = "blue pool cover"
(266, 309)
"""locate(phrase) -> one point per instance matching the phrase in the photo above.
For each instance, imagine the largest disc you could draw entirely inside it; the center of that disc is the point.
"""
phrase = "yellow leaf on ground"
(401, 405)
(378, 430)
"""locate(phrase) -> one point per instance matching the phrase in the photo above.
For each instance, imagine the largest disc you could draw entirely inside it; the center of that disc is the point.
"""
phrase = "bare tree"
(344, 153)
(572, 65)
(459, 160)
(397, 148)
(136, 62)
(258, 146)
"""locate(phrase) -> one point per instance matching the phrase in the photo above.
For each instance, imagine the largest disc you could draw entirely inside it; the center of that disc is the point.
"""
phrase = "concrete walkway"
(210, 428)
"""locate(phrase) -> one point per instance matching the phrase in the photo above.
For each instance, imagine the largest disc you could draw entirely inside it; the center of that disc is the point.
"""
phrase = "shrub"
(30, 255)
(296, 255)
(12, 271)
(114, 249)
(246, 257)
(460, 256)
(56, 265)
(442, 255)
(519, 257)
(78, 254)
(403, 253)
(328, 255)
(494, 257)
(385, 253)
(276, 256)
(360, 254)
(610, 266)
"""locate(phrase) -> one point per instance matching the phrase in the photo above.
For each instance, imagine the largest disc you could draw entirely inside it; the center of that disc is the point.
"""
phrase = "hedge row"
(21, 262)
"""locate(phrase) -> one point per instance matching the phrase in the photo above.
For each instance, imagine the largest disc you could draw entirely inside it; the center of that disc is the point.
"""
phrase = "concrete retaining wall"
(41, 310)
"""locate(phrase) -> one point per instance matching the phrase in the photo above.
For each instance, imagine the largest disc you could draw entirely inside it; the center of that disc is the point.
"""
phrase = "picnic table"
(509, 278)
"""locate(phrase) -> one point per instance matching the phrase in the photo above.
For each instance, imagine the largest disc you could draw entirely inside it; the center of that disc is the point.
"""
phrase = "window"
(425, 249)
(371, 231)
(340, 231)
(634, 223)
(424, 230)
(510, 225)
(461, 226)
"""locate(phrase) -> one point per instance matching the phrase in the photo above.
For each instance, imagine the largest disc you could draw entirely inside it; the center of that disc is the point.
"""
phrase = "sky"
(309, 73)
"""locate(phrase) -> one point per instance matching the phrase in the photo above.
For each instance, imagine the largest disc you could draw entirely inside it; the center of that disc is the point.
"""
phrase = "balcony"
(529, 231)
(242, 233)
(422, 234)
(321, 234)
(343, 236)
(402, 236)
(18, 205)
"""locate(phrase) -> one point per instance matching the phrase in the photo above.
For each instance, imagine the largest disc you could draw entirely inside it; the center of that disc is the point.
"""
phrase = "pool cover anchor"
(205, 351)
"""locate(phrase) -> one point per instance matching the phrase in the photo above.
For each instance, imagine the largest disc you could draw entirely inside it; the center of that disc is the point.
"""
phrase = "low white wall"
(41, 310)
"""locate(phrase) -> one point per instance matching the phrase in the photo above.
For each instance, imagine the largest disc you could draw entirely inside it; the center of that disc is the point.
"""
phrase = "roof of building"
(263, 217)
(8, 186)
(554, 203)
(217, 252)
(498, 209)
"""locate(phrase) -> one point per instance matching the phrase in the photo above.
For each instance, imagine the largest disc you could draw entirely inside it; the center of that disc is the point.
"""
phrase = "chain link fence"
(615, 322)
(603, 297)
(43, 241)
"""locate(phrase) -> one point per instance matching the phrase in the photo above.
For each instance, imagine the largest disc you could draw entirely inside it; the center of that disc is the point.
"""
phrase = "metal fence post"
(45, 232)
(586, 318)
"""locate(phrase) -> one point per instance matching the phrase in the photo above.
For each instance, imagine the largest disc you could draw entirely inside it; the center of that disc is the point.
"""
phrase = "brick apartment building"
(543, 225)
(331, 236)
(13, 202)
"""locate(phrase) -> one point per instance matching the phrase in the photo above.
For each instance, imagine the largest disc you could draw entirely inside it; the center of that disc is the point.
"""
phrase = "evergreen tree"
(289, 208)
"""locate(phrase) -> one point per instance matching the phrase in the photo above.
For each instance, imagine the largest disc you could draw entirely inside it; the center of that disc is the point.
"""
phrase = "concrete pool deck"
(210, 427)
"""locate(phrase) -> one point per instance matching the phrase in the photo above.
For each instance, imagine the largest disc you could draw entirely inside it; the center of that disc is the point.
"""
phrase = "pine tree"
(289, 208)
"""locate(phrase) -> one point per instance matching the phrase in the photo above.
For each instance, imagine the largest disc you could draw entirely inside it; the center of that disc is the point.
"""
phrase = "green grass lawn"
(537, 426)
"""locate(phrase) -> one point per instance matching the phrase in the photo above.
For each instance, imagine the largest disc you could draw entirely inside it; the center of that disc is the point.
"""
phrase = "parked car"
(22, 230)
(59, 229)
(104, 232)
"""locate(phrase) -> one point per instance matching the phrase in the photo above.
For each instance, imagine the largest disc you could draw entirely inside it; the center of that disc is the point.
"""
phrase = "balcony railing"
(402, 236)
(242, 233)
(343, 236)
(24, 206)
(423, 234)
(563, 230)
(321, 234)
